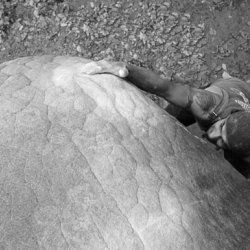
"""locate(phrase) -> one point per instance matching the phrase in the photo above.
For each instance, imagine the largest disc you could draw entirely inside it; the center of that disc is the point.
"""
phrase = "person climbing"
(222, 110)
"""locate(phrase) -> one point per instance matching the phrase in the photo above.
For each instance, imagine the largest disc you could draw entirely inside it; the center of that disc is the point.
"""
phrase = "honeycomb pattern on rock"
(88, 162)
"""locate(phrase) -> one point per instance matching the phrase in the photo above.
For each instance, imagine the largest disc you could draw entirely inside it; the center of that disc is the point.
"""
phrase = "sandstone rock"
(89, 162)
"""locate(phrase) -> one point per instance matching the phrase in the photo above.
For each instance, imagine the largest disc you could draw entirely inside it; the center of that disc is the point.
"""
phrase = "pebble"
(63, 24)
(218, 68)
(42, 21)
(167, 4)
(184, 19)
(79, 49)
(118, 5)
(187, 15)
(201, 25)
(212, 31)
(36, 13)
(171, 17)
(224, 66)
(175, 14)
(225, 75)
(75, 29)
(126, 46)
(61, 16)
(178, 29)
(23, 36)
(135, 56)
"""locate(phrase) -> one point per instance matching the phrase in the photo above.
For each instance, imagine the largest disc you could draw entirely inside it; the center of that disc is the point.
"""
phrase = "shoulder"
(202, 98)
(232, 82)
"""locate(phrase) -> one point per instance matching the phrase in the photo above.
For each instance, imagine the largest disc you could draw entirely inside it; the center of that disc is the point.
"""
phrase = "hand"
(104, 66)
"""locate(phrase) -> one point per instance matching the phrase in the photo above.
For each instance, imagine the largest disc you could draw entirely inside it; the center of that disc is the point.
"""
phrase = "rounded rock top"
(89, 162)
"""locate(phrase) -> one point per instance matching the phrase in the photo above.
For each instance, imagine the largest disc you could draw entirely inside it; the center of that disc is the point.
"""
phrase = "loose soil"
(184, 37)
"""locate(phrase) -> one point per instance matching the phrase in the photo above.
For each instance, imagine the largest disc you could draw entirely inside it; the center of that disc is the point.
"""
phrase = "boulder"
(89, 162)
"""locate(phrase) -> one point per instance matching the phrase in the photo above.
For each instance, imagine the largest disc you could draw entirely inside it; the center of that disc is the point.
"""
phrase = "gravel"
(184, 38)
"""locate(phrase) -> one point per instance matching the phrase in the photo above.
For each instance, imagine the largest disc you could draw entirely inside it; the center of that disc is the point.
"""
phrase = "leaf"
(143, 37)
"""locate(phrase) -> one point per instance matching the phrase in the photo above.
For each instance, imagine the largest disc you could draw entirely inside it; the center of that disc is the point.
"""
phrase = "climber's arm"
(145, 79)
(174, 92)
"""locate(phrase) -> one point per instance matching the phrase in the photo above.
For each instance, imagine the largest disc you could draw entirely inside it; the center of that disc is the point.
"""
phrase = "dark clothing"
(235, 96)
(238, 91)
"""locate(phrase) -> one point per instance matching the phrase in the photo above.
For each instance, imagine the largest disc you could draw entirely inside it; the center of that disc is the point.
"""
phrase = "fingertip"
(123, 73)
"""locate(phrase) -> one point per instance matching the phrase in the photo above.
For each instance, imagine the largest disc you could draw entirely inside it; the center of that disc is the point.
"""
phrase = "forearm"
(146, 79)
(174, 92)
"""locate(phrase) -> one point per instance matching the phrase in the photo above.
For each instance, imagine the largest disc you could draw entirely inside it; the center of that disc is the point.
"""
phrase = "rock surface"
(186, 38)
(89, 162)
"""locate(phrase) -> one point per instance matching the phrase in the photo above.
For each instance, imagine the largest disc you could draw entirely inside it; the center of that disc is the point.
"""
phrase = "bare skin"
(174, 92)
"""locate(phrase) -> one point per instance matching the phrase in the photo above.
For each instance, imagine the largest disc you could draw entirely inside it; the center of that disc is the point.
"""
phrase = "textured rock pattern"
(88, 162)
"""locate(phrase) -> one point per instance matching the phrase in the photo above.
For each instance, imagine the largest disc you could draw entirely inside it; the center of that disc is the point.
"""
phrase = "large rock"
(88, 162)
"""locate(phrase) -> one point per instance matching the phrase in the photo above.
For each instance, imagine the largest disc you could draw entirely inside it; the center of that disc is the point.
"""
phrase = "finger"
(115, 68)
(123, 73)
(91, 68)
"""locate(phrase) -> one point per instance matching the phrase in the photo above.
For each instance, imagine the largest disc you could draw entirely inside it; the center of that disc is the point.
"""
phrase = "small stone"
(63, 24)
(175, 14)
(172, 18)
(201, 25)
(126, 46)
(167, 4)
(184, 19)
(186, 53)
(218, 68)
(224, 66)
(42, 21)
(225, 75)
(143, 37)
(135, 56)
(212, 31)
(36, 13)
(79, 49)
(187, 15)
(118, 5)
(75, 29)
(61, 16)
(178, 29)
(23, 36)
